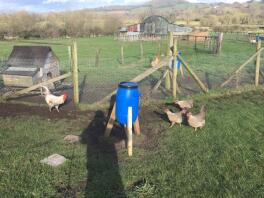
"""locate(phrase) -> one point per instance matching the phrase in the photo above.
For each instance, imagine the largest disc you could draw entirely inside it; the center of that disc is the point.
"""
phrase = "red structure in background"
(133, 28)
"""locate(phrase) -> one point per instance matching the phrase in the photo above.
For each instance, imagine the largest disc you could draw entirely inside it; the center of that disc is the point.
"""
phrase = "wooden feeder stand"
(128, 127)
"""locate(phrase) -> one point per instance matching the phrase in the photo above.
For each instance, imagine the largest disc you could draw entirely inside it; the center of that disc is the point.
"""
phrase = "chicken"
(253, 41)
(155, 61)
(184, 104)
(197, 121)
(175, 117)
(52, 100)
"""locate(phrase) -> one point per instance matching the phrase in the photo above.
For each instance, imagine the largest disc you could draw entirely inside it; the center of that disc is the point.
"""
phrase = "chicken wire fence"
(100, 75)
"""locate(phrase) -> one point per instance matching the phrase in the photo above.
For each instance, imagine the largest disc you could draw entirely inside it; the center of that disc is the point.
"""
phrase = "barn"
(29, 65)
(159, 25)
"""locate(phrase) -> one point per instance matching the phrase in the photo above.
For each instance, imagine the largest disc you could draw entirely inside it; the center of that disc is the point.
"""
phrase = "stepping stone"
(54, 160)
(72, 139)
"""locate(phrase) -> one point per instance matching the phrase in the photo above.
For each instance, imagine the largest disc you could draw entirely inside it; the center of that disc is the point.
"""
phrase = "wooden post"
(129, 132)
(159, 48)
(195, 42)
(174, 70)
(141, 50)
(75, 74)
(70, 57)
(170, 44)
(257, 62)
(220, 42)
(122, 55)
(111, 121)
(137, 127)
(97, 58)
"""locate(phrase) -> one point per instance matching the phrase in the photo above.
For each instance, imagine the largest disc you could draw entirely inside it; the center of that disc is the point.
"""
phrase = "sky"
(57, 5)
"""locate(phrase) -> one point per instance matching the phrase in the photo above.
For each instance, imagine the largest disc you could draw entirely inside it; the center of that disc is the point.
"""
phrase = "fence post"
(122, 54)
(75, 73)
(258, 39)
(97, 57)
(159, 48)
(170, 44)
(70, 56)
(141, 50)
(195, 42)
(174, 69)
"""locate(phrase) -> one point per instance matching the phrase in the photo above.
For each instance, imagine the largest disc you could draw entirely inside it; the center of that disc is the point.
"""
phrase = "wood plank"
(111, 122)
(160, 81)
(195, 77)
(137, 127)
(29, 89)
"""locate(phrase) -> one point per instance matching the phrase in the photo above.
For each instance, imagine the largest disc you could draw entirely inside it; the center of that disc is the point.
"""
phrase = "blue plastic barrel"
(128, 95)
(179, 61)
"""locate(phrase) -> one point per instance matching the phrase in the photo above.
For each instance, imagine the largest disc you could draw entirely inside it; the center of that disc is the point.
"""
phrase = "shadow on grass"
(103, 178)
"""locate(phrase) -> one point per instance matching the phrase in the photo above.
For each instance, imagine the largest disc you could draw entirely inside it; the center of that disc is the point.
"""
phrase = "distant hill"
(165, 3)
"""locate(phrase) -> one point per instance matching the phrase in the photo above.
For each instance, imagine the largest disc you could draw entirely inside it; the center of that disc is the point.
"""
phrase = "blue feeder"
(128, 95)
(178, 61)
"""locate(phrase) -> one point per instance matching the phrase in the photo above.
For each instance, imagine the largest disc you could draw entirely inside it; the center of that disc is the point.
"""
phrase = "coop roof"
(30, 56)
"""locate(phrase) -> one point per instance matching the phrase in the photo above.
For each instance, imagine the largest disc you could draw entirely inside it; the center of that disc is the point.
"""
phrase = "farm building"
(157, 25)
(153, 26)
(29, 65)
(161, 26)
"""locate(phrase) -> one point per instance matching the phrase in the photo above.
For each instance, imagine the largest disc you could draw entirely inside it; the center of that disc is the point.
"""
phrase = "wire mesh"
(100, 73)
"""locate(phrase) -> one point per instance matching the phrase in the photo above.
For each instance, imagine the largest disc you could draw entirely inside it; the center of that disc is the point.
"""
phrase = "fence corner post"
(174, 69)
(75, 73)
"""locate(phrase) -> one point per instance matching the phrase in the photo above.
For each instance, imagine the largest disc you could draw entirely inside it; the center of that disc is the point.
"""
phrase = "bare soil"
(94, 122)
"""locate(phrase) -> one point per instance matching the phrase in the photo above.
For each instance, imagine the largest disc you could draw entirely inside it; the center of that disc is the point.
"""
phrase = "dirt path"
(66, 112)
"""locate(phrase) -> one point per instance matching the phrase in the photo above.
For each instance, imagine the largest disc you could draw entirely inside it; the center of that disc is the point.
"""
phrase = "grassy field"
(225, 159)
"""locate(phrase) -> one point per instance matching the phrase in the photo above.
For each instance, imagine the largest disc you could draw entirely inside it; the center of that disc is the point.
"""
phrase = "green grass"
(225, 159)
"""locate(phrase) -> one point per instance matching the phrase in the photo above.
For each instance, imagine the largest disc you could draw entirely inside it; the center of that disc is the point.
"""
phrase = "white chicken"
(52, 100)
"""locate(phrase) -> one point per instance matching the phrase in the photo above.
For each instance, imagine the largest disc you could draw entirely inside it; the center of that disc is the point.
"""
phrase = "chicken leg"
(57, 107)
(172, 124)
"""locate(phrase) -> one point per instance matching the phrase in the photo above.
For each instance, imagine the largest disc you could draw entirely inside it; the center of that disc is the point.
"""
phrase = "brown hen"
(197, 121)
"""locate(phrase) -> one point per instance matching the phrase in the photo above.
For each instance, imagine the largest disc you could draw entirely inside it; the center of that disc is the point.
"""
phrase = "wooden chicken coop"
(29, 65)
